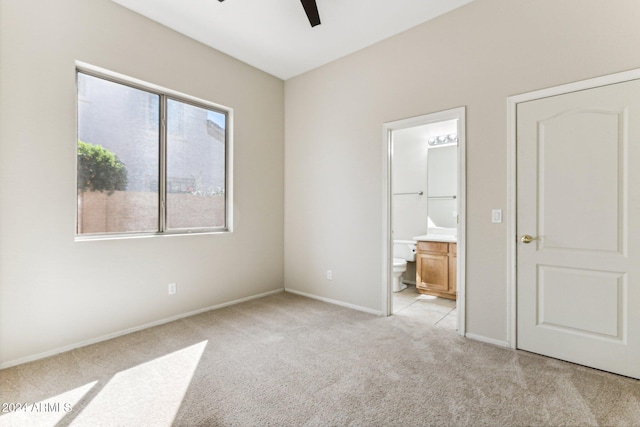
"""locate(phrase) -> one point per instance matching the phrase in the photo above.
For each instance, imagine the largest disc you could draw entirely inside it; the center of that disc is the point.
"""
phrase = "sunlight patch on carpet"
(45, 412)
(152, 391)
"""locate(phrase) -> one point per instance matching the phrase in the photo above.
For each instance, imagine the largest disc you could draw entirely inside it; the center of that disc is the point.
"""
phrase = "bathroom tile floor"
(440, 312)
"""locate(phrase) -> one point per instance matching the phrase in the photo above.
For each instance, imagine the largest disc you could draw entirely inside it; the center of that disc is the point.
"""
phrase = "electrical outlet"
(329, 275)
(173, 288)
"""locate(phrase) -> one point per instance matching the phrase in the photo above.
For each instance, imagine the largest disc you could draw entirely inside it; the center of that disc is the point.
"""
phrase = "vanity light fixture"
(443, 139)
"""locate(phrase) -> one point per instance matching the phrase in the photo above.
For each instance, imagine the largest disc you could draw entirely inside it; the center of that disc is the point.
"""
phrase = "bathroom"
(425, 203)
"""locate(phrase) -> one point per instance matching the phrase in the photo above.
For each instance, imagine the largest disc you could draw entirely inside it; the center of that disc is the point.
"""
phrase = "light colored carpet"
(285, 360)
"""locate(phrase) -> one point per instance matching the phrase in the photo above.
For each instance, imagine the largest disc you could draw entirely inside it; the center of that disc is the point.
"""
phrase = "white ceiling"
(275, 35)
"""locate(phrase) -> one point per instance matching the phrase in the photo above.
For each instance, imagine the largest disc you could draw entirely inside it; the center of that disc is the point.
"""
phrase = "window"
(150, 160)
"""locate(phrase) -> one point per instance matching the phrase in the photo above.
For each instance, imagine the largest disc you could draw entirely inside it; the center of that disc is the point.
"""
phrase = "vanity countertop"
(436, 238)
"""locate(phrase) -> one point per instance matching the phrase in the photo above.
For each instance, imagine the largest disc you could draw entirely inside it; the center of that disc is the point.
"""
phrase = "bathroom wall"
(413, 171)
(409, 175)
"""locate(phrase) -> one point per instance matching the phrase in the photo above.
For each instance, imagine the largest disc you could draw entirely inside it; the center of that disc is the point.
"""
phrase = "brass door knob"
(528, 239)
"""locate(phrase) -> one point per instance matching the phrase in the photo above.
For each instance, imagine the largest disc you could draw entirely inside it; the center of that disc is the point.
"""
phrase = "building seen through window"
(148, 162)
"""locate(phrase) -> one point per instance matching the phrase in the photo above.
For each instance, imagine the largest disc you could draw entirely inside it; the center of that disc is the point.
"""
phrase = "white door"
(578, 198)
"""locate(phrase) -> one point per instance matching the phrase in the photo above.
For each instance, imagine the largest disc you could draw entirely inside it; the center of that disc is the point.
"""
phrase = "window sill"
(122, 236)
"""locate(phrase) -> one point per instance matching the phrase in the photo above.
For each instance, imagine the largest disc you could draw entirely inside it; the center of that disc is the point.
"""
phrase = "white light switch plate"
(496, 216)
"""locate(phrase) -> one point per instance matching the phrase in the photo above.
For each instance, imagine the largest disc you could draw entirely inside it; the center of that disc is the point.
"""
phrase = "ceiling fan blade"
(311, 10)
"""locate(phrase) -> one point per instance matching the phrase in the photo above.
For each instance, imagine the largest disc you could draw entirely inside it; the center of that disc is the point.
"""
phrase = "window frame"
(164, 95)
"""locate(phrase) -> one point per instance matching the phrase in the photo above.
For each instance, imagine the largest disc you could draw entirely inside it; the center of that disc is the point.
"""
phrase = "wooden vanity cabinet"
(453, 268)
(436, 269)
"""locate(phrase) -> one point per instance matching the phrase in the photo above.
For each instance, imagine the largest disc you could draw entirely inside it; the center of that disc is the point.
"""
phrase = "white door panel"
(578, 291)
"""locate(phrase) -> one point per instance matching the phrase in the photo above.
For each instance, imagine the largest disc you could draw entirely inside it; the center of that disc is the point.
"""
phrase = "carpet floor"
(286, 360)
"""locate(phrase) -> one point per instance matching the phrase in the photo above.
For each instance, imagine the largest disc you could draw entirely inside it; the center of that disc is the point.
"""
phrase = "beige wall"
(475, 56)
(55, 292)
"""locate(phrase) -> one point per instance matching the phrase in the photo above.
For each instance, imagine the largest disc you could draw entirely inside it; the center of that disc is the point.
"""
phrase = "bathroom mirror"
(442, 185)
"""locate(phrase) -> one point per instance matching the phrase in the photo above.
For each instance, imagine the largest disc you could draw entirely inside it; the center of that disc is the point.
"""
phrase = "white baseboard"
(335, 302)
(131, 330)
(487, 340)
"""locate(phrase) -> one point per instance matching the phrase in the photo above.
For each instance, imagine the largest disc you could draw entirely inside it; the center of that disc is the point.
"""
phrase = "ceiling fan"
(311, 9)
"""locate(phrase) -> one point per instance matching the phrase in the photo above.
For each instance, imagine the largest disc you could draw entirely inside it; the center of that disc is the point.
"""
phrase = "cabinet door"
(453, 268)
(432, 271)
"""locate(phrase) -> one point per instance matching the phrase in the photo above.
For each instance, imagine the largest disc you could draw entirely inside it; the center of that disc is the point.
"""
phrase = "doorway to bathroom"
(424, 218)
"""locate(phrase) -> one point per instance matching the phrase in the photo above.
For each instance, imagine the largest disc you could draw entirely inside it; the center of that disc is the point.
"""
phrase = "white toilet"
(403, 251)
(399, 267)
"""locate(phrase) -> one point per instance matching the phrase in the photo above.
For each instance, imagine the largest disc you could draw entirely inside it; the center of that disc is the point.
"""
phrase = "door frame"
(387, 204)
(512, 190)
